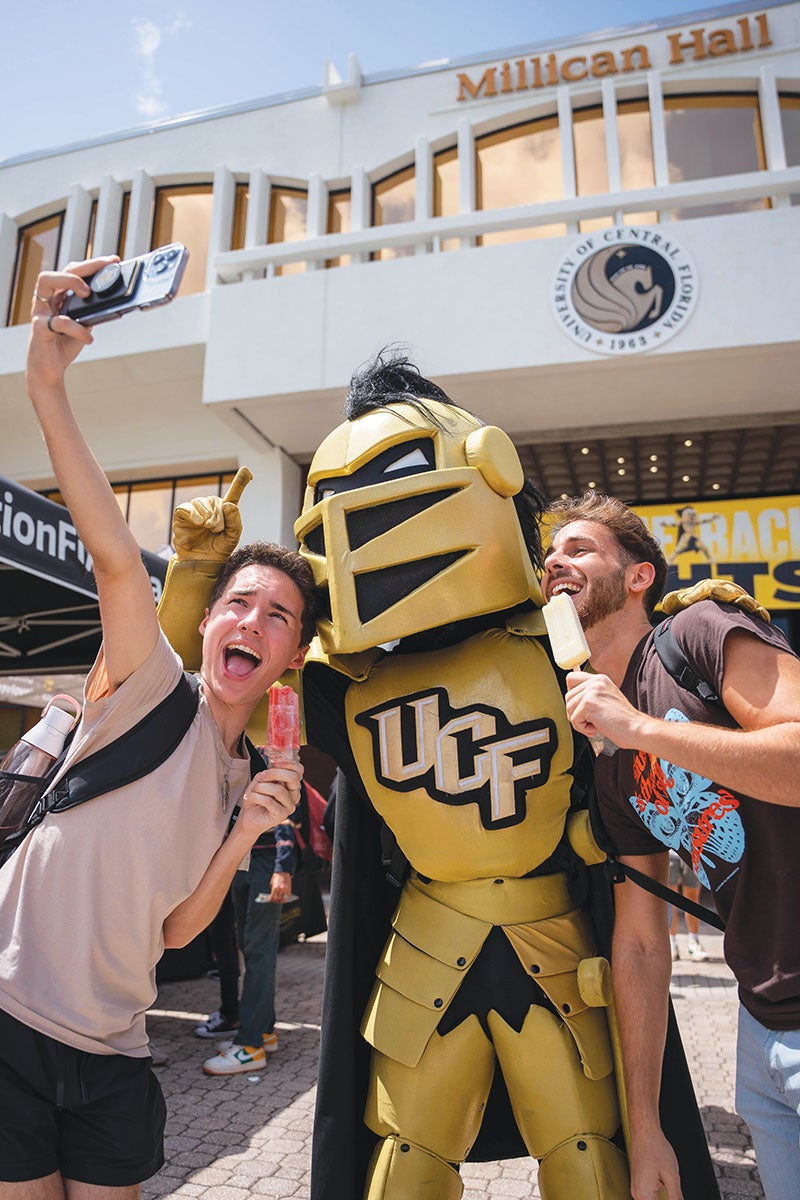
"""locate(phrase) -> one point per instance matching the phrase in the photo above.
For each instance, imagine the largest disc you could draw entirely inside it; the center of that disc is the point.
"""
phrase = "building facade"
(594, 245)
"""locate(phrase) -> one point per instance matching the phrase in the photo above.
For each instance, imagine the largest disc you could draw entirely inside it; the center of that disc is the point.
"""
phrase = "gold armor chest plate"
(465, 754)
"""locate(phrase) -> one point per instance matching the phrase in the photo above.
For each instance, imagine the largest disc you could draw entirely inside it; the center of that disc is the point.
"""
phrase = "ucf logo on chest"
(459, 756)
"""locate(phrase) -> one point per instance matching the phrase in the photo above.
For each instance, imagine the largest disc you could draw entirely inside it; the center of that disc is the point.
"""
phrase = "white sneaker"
(696, 951)
(673, 945)
(236, 1059)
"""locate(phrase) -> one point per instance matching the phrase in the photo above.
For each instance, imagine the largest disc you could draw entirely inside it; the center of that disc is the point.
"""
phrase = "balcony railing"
(777, 187)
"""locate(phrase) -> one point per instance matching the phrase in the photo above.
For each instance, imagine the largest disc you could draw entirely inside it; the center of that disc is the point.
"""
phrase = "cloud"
(148, 39)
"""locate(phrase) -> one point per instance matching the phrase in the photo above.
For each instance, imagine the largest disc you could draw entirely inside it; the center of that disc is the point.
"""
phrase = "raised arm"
(127, 608)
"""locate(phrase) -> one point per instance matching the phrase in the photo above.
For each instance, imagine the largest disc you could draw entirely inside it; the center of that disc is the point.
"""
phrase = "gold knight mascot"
(478, 993)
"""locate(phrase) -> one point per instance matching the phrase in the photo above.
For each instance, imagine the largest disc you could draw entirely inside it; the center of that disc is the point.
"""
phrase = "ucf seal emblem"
(624, 290)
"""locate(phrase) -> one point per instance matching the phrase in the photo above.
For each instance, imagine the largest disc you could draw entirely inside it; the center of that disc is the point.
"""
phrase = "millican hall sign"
(691, 45)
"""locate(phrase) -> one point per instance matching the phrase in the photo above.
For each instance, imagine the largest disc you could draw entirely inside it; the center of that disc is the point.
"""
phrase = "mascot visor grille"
(366, 524)
(377, 591)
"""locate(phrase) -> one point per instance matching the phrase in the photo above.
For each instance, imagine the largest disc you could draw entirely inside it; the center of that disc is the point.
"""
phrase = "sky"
(71, 72)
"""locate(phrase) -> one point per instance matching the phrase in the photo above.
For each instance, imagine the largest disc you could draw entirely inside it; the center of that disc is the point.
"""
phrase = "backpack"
(129, 757)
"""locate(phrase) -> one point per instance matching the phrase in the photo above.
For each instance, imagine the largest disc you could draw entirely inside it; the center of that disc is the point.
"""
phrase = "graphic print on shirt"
(684, 809)
(460, 756)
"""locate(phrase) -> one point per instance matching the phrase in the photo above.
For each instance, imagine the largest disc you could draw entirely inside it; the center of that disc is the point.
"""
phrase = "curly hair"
(635, 539)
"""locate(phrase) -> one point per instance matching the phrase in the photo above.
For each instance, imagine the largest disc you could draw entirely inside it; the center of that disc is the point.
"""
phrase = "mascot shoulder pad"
(723, 590)
(527, 624)
(353, 666)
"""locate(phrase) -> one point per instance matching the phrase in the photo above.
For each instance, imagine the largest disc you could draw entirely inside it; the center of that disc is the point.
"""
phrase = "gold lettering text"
(467, 87)
(696, 44)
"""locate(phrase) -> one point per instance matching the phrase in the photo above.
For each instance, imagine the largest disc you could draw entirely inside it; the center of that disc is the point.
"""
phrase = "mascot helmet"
(409, 521)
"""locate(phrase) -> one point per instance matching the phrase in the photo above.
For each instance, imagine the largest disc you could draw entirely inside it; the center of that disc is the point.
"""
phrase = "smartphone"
(117, 288)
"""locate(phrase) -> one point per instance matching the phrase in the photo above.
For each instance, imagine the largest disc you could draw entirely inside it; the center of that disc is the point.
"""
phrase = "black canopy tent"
(49, 619)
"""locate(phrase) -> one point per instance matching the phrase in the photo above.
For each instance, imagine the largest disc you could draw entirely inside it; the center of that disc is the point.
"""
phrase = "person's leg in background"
(225, 1021)
(258, 923)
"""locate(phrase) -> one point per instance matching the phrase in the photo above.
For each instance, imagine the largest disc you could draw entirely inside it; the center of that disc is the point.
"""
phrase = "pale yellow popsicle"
(570, 648)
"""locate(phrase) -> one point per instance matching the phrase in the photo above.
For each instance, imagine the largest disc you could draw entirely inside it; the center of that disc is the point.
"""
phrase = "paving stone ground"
(250, 1135)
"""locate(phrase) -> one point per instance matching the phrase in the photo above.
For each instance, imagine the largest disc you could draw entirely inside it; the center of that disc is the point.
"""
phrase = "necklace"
(226, 791)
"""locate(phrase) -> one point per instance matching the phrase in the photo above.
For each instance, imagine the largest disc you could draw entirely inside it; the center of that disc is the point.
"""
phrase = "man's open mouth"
(241, 660)
(565, 585)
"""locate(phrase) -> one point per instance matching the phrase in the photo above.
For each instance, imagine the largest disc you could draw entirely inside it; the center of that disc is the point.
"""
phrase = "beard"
(602, 598)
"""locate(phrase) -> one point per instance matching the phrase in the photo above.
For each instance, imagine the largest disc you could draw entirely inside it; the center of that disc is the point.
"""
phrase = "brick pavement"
(248, 1136)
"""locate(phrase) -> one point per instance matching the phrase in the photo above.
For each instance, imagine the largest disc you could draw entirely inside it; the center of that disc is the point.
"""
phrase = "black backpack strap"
(674, 661)
(135, 754)
(668, 894)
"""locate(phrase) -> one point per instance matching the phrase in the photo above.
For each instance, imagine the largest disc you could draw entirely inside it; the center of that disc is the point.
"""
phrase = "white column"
(568, 179)
(140, 215)
(76, 226)
(658, 134)
(612, 139)
(257, 223)
(772, 128)
(8, 258)
(219, 236)
(271, 503)
(360, 204)
(316, 214)
(109, 215)
(467, 179)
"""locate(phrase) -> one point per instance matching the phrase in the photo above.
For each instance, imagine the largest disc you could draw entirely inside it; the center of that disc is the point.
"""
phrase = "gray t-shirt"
(745, 851)
(84, 898)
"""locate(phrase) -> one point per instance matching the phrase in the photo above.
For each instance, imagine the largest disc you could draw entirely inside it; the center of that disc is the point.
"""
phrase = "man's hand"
(209, 528)
(280, 887)
(56, 340)
(654, 1169)
(271, 798)
(596, 706)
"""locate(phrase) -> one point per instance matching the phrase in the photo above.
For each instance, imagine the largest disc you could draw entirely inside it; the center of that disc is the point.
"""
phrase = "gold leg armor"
(399, 1170)
(584, 1166)
(438, 1104)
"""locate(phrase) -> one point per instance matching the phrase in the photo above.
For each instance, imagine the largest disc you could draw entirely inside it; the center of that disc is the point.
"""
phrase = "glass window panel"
(240, 204)
(520, 165)
(393, 201)
(339, 218)
(591, 163)
(287, 222)
(636, 154)
(150, 514)
(183, 214)
(92, 227)
(123, 222)
(790, 119)
(37, 250)
(445, 190)
(712, 135)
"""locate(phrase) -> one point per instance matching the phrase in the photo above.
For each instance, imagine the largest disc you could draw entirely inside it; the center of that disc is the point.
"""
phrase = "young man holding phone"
(91, 898)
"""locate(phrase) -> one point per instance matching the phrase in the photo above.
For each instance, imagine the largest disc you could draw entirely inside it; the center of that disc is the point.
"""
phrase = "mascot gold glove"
(208, 529)
(723, 590)
(205, 534)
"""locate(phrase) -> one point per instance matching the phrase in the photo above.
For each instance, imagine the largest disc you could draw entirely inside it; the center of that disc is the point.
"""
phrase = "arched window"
(393, 201)
(339, 220)
(445, 189)
(710, 135)
(288, 208)
(520, 165)
(790, 119)
(183, 214)
(241, 201)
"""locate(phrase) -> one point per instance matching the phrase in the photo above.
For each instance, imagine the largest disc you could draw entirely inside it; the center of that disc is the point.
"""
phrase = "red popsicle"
(283, 725)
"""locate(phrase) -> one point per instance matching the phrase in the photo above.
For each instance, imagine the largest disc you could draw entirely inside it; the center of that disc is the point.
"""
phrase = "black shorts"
(96, 1118)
